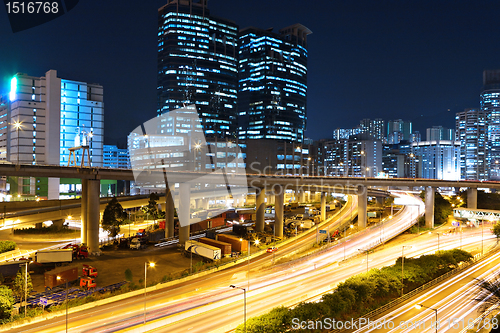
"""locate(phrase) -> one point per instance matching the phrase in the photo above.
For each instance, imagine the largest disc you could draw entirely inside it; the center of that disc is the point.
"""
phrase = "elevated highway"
(272, 185)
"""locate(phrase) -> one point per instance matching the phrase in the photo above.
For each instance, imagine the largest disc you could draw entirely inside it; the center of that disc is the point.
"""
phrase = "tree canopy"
(113, 217)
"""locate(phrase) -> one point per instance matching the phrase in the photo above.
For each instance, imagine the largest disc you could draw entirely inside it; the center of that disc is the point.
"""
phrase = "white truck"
(54, 256)
(203, 250)
(307, 224)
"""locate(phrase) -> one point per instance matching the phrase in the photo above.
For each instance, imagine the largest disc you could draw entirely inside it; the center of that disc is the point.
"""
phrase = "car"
(136, 243)
(272, 249)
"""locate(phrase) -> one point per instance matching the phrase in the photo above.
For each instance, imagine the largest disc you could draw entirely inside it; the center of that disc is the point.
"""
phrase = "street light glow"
(418, 306)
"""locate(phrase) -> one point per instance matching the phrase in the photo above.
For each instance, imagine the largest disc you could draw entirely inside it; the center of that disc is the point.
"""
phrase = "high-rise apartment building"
(273, 83)
(398, 130)
(440, 133)
(373, 127)
(472, 131)
(197, 64)
(114, 157)
(344, 133)
(42, 118)
(490, 105)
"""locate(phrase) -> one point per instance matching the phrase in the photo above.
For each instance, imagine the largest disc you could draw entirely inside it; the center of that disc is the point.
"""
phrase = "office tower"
(273, 83)
(490, 105)
(439, 159)
(375, 128)
(344, 133)
(114, 157)
(43, 117)
(359, 156)
(398, 130)
(472, 131)
(439, 133)
(197, 64)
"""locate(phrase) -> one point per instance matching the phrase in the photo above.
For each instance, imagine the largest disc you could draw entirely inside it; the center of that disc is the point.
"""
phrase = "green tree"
(496, 230)
(113, 217)
(6, 302)
(128, 275)
(151, 209)
(18, 287)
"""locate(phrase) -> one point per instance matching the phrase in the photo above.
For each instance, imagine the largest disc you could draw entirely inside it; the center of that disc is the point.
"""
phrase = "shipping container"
(203, 250)
(54, 256)
(68, 274)
(237, 244)
(223, 246)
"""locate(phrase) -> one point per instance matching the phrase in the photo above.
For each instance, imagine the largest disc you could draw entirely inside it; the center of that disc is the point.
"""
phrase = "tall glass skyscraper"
(197, 64)
(490, 104)
(273, 83)
(472, 132)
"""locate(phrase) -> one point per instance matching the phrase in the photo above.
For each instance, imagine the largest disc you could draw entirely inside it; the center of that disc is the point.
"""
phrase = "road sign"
(322, 231)
(43, 301)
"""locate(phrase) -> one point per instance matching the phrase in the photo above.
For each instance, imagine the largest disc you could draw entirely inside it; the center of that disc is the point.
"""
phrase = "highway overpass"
(274, 185)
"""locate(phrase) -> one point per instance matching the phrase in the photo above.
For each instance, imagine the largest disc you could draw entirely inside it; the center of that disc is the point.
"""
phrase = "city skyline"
(420, 62)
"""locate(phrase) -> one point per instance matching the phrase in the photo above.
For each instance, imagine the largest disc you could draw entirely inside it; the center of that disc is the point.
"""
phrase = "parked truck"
(223, 246)
(79, 251)
(54, 256)
(66, 274)
(203, 250)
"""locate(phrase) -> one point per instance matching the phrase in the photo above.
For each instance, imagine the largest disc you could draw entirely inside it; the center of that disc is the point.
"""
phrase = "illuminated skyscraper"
(273, 83)
(472, 132)
(490, 105)
(373, 127)
(197, 64)
(53, 115)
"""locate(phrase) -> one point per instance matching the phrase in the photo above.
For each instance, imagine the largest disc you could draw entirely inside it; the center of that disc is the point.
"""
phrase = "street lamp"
(437, 233)
(146, 264)
(244, 303)
(367, 251)
(403, 266)
(419, 306)
(65, 299)
(17, 126)
(25, 288)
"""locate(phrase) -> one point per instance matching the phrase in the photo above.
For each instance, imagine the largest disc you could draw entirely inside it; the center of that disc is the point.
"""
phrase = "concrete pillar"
(295, 196)
(169, 212)
(302, 196)
(362, 206)
(429, 207)
(472, 198)
(260, 209)
(197, 203)
(278, 208)
(271, 200)
(183, 213)
(323, 206)
(83, 214)
(206, 204)
(93, 204)
(380, 201)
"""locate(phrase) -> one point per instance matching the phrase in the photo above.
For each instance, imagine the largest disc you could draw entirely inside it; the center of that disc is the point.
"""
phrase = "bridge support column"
(472, 198)
(260, 209)
(362, 206)
(93, 204)
(302, 196)
(429, 207)
(271, 200)
(197, 203)
(169, 211)
(83, 214)
(184, 214)
(323, 206)
(278, 209)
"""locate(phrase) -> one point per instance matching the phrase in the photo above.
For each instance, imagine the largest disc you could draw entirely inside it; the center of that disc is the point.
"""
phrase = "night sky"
(417, 60)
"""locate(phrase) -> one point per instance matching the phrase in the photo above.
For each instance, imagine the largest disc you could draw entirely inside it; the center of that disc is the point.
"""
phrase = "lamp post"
(146, 264)
(25, 288)
(403, 266)
(366, 258)
(65, 299)
(244, 304)
(17, 126)
(419, 306)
